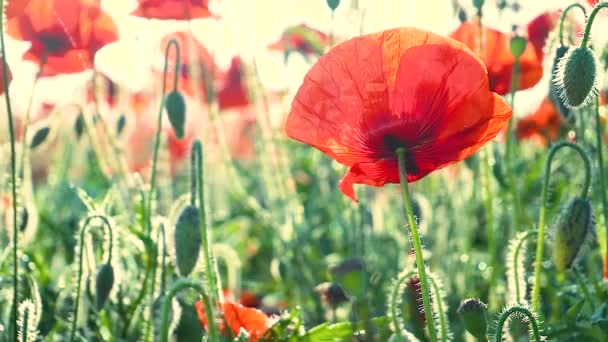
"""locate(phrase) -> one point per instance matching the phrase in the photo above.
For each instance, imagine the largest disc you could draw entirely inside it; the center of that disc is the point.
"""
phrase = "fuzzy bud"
(573, 227)
(577, 77)
(187, 239)
(40, 136)
(333, 4)
(473, 313)
(103, 284)
(176, 108)
(518, 46)
(553, 91)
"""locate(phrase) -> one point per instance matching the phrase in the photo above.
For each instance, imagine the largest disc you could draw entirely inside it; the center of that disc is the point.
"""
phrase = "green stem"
(11, 132)
(516, 269)
(563, 18)
(415, 238)
(602, 172)
(516, 210)
(26, 122)
(210, 274)
(443, 324)
(595, 11)
(83, 230)
(177, 287)
(531, 319)
(489, 207)
(543, 209)
(395, 300)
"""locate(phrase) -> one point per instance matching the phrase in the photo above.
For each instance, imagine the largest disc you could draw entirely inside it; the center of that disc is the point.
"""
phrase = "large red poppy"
(544, 124)
(15, 8)
(498, 59)
(233, 93)
(191, 50)
(238, 317)
(539, 28)
(303, 39)
(173, 9)
(10, 76)
(399, 88)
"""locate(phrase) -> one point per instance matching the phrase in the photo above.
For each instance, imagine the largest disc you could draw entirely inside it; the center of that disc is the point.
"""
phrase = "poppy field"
(322, 170)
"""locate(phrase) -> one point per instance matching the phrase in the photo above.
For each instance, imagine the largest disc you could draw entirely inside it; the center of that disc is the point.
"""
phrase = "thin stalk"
(563, 18)
(602, 174)
(394, 300)
(83, 230)
(516, 209)
(26, 122)
(543, 209)
(531, 319)
(177, 287)
(489, 208)
(415, 238)
(595, 11)
(11, 132)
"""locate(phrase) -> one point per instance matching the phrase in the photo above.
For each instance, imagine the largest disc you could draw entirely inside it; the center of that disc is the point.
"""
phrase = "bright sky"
(246, 27)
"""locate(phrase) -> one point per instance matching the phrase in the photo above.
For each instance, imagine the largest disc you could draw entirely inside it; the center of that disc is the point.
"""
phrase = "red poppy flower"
(15, 8)
(238, 317)
(10, 76)
(65, 34)
(190, 51)
(303, 39)
(539, 28)
(233, 93)
(497, 57)
(544, 124)
(173, 9)
(399, 88)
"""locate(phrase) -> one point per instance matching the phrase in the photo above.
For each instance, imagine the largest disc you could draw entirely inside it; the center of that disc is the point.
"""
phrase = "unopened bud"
(333, 4)
(473, 313)
(573, 227)
(103, 284)
(176, 108)
(577, 77)
(518, 46)
(187, 239)
(557, 101)
(40, 136)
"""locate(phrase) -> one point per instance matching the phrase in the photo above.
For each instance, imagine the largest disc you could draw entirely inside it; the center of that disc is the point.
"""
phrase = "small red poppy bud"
(518, 46)
(577, 77)
(473, 313)
(187, 239)
(573, 227)
(40, 136)
(103, 284)
(333, 4)
(553, 91)
(176, 108)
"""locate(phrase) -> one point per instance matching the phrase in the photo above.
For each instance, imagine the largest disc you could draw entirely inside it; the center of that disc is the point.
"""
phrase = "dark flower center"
(54, 44)
(392, 143)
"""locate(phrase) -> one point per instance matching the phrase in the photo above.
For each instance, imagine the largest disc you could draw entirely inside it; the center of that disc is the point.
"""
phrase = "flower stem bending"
(520, 311)
(563, 18)
(543, 210)
(595, 11)
(415, 238)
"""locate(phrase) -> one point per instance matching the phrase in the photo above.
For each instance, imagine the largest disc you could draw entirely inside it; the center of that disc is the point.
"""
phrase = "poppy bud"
(103, 284)
(176, 108)
(187, 239)
(332, 294)
(574, 225)
(473, 313)
(40, 136)
(518, 46)
(79, 125)
(478, 4)
(462, 15)
(577, 77)
(553, 91)
(120, 124)
(333, 4)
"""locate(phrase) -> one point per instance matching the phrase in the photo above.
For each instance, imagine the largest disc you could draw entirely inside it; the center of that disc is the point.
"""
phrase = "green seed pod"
(553, 90)
(176, 108)
(103, 284)
(79, 125)
(40, 136)
(518, 46)
(333, 4)
(577, 77)
(120, 124)
(473, 313)
(187, 239)
(573, 227)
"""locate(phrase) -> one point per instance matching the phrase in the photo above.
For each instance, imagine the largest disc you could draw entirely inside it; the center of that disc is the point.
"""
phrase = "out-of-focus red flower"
(10, 76)
(236, 316)
(246, 298)
(140, 103)
(15, 8)
(109, 91)
(65, 34)
(191, 53)
(233, 93)
(303, 39)
(498, 59)
(544, 124)
(173, 9)
(400, 88)
(539, 28)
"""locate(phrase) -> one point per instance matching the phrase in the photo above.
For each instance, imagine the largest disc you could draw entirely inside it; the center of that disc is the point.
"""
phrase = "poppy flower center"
(54, 44)
(392, 143)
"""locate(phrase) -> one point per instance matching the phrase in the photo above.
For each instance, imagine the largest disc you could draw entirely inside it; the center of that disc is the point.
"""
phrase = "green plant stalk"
(443, 324)
(595, 11)
(602, 173)
(489, 208)
(515, 263)
(543, 209)
(563, 18)
(177, 287)
(80, 257)
(415, 238)
(395, 300)
(11, 132)
(26, 123)
(210, 271)
(516, 210)
(520, 310)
